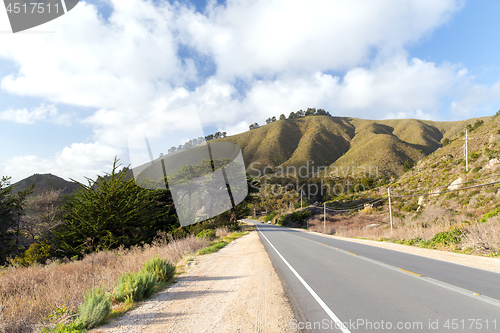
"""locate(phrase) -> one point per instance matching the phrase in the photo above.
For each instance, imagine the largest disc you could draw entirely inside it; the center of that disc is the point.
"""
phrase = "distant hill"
(343, 142)
(45, 182)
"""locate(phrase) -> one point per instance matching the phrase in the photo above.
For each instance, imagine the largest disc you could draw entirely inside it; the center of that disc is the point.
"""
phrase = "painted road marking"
(466, 292)
(404, 270)
(338, 322)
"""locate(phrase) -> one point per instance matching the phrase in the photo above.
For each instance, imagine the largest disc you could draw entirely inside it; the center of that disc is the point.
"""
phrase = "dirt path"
(233, 290)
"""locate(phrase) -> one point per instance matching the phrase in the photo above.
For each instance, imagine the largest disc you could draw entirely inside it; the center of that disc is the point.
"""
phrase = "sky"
(73, 90)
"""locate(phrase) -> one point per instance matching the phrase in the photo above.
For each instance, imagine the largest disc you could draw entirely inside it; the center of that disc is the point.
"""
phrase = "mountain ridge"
(343, 141)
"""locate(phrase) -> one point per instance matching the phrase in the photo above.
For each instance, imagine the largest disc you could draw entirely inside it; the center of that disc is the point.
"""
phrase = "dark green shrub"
(475, 155)
(135, 286)
(95, 307)
(162, 268)
(407, 165)
(113, 211)
(300, 216)
(410, 207)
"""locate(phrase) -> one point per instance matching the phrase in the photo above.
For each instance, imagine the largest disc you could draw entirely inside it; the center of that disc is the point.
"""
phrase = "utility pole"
(300, 199)
(324, 217)
(466, 157)
(390, 206)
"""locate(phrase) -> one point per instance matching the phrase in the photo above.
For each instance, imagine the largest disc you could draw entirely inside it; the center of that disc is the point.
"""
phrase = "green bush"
(62, 328)
(162, 268)
(448, 237)
(135, 286)
(300, 216)
(270, 216)
(475, 155)
(407, 166)
(280, 220)
(95, 307)
(492, 213)
(207, 233)
(36, 253)
(214, 247)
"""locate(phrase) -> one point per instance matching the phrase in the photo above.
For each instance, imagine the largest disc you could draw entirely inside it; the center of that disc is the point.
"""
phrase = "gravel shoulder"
(490, 264)
(233, 290)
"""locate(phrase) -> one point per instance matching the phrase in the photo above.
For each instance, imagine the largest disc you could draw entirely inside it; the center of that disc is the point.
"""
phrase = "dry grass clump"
(28, 296)
(424, 226)
(483, 238)
(222, 232)
(476, 238)
(317, 226)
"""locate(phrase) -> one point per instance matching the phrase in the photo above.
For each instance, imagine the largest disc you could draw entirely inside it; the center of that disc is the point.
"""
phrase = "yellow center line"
(325, 244)
(404, 270)
(352, 253)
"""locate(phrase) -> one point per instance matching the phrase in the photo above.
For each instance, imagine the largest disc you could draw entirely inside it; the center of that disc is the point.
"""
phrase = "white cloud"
(396, 85)
(417, 114)
(264, 37)
(390, 87)
(43, 112)
(88, 62)
(77, 161)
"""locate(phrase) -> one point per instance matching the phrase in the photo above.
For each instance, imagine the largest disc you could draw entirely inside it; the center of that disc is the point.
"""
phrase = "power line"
(445, 186)
(443, 192)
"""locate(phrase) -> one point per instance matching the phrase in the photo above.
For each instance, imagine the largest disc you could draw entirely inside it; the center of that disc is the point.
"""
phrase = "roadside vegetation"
(72, 296)
(95, 253)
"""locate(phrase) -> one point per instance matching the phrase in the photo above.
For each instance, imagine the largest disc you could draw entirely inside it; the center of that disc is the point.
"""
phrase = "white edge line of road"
(463, 291)
(338, 322)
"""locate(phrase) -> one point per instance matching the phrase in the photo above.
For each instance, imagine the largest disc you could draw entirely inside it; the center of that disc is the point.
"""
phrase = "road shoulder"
(233, 290)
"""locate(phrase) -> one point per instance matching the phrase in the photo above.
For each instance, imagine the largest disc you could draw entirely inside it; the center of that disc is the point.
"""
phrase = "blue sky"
(72, 90)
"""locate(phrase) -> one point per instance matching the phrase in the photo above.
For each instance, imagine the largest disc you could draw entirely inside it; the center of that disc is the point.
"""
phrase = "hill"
(342, 142)
(448, 164)
(44, 183)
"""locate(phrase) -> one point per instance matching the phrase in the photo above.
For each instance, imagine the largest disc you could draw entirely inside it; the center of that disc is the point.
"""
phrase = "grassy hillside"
(439, 203)
(448, 164)
(343, 142)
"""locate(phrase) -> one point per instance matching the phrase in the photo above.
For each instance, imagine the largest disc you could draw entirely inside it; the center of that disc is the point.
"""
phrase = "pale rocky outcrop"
(493, 163)
(456, 184)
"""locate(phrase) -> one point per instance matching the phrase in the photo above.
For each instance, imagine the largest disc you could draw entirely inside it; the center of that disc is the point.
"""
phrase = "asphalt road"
(337, 285)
